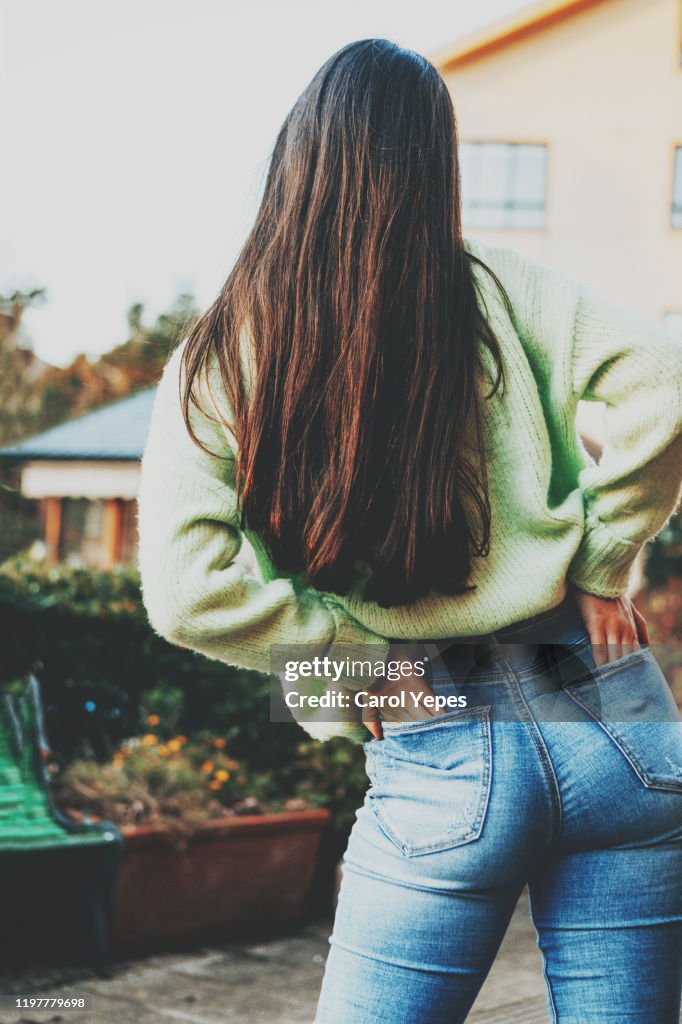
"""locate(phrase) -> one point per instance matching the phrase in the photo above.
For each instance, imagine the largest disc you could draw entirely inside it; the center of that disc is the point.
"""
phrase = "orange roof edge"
(507, 30)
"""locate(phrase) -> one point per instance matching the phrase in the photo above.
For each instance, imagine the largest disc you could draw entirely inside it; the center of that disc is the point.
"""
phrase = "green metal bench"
(57, 877)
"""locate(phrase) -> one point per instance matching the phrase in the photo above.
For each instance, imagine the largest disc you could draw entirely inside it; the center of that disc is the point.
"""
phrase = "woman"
(386, 410)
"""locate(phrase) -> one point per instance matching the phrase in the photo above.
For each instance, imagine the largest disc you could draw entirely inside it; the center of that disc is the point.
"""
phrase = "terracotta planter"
(244, 874)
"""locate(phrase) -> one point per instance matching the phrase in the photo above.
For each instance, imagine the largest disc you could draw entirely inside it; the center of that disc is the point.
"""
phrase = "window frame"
(675, 198)
(672, 313)
(509, 204)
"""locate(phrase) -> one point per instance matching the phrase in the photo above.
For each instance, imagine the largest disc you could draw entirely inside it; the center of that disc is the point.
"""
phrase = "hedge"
(103, 670)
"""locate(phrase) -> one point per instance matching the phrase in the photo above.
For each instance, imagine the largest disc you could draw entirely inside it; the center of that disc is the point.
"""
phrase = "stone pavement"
(269, 982)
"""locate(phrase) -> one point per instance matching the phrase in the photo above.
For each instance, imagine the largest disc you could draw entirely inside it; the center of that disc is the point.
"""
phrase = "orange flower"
(207, 767)
(232, 764)
(222, 775)
(153, 720)
(219, 743)
(181, 740)
(214, 785)
(150, 740)
(174, 745)
(164, 751)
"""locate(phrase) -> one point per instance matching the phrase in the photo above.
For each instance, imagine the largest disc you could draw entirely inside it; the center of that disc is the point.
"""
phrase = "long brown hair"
(358, 441)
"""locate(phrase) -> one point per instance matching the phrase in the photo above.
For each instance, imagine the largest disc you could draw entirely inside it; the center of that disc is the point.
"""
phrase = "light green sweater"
(556, 514)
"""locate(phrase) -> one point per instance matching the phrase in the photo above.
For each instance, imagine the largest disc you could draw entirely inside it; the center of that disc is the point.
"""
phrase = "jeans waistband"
(550, 622)
(530, 644)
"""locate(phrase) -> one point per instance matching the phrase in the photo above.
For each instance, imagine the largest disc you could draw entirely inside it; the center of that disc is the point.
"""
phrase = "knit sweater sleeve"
(195, 591)
(635, 367)
(589, 347)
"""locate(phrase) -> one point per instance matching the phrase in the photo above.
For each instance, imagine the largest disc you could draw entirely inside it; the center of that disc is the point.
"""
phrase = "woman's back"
(556, 516)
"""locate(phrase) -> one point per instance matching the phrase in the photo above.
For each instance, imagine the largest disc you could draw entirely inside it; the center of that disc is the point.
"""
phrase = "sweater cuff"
(343, 717)
(603, 562)
(355, 642)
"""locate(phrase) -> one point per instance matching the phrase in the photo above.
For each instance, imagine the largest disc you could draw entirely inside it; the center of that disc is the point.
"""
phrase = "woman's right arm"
(196, 593)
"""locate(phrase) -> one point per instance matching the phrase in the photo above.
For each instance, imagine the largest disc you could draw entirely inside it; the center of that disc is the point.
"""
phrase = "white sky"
(134, 136)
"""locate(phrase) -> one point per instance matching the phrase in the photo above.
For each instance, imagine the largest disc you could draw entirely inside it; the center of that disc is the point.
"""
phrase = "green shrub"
(102, 668)
(107, 677)
(180, 784)
(664, 558)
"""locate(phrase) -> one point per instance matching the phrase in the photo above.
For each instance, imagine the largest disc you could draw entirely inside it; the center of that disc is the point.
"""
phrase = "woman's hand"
(410, 684)
(614, 625)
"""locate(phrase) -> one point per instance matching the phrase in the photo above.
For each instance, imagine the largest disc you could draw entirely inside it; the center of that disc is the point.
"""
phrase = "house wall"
(603, 89)
(102, 529)
(86, 479)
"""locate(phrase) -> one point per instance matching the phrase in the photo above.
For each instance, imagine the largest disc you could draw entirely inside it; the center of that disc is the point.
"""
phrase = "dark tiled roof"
(117, 431)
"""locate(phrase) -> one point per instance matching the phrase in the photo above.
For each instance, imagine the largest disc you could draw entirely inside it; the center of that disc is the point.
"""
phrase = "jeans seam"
(548, 985)
(536, 736)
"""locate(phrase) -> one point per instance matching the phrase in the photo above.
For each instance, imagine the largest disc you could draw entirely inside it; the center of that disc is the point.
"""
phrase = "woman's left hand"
(614, 625)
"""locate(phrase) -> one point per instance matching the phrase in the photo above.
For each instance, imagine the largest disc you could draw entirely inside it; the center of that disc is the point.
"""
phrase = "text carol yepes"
(362, 699)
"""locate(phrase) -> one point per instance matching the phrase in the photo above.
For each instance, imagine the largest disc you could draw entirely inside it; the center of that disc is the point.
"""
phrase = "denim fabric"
(559, 775)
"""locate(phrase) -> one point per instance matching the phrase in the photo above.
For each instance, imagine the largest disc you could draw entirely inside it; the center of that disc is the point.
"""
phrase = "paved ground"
(274, 982)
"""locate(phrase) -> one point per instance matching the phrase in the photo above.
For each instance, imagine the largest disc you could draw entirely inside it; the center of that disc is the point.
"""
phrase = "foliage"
(332, 774)
(107, 677)
(19, 516)
(20, 369)
(35, 396)
(177, 783)
(180, 783)
(86, 635)
(664, 559)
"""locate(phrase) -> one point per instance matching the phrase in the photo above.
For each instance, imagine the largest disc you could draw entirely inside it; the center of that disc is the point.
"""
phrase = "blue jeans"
(557, 775)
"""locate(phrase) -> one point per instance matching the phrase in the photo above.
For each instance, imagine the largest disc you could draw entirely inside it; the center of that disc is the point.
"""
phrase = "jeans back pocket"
(430, 780)
(632, 702)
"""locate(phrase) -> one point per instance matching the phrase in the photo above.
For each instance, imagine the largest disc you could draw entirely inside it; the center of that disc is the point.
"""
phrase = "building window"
(128, 543)
(81, 541)
(677, 189)
(504, 184)
(673, 321)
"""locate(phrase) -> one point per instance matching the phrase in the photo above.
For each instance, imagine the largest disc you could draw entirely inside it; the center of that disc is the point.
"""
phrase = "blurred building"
(85, 475)
(570, 126)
